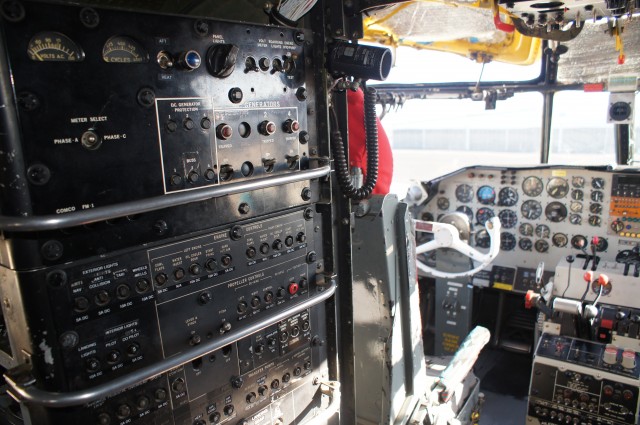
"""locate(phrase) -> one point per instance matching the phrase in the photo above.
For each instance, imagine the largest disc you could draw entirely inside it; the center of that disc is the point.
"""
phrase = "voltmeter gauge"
(121, 49)
(50, 46)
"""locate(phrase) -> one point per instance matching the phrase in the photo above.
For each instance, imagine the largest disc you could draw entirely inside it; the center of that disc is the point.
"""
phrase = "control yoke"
(447, 236)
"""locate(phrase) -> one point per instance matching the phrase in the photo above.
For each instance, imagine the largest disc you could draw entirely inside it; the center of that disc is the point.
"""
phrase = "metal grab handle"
(53, 222)
(33, 395)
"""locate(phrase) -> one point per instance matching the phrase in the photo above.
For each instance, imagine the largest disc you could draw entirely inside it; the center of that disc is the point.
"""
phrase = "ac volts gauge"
(50, 46)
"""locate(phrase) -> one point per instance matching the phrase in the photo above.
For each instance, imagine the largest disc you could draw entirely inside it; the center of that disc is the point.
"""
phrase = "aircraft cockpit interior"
(371, 212)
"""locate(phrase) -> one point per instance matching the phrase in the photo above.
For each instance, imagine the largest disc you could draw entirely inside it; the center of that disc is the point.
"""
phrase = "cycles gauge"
(577, 195)
(464, 193)
(555, 212)
(482, 239)
(508, 218)
(542, 231)
(443, 203)
(525, 244)
(579, 242)
(531, 209)
(508, 197)
(557, 188)
(575, 219)
(468, 211)
(486, 195)
(526, 229)
(541, 245)
(597, 183)
(577, 181)
(484, 214)
(121, 49)
(49, 46)
(560, 240)
(507, 241)
(532, 186)
(597, 196)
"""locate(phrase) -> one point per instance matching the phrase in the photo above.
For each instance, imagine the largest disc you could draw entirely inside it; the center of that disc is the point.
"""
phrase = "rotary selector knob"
(221, 59)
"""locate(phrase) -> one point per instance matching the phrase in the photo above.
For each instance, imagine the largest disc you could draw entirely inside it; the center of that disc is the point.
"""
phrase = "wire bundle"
(293, 10)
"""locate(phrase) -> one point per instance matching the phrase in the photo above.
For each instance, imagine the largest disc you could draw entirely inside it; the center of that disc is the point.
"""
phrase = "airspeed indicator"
(121, 49)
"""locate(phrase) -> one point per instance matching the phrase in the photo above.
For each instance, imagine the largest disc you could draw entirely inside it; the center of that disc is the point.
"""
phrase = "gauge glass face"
(541, 245)
(508, 197)
(508, 219)
(531, 209)
(579, 242)
(121, 49)
(49, 46)
(575, 219)
(507, 241)
(542, 231)
(526, 229)
(597, 196)
(443, 203)
(560, 240)
(555, 212)
(525, 244)
(575, 207)
(486, 195)
(467, 211)
(577, 181)
(557, 188)
(595, 208)
(602, 245)
(464, 193)
(577, 195)
(482, 239)
(594, 220)
(484, 214)
(597, 183)
(532, 186)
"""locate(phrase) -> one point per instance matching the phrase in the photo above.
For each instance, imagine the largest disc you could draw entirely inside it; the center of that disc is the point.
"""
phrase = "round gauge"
(602, 245)
(508, 197)
(121, 49)
(525, 244)
(468, 211)
(532, 186)
(555, 212)
(541, 245)
(443, 203)
(542, 231)
(426, 216)
(560, 240)
(579, 242)
(577, 181)
(486, 195)
(508, 218)
(597, 183)
(595, 208)
(526, 229)
(575, 219)
(49, 46)
(557, 188)
(482, 239)
(484, 214)
(507, 241)
(531, 209)
(617, 226)
(464, 193)
(577, 195)
(597, 196)
(575, 207)
(594, 220)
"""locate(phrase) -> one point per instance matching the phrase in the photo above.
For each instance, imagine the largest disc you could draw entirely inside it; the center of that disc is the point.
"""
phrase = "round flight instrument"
(525, 244)
(443, 203)
(507, 197)
(50, 46)
(575, 219)
(560, 240)
(595, 208)
(557, 187)
(122, 49)
(597, 183)
(508, 218)
(532, 186)
(468, 211)
(531, 209)
(526, 229)
(577, 181)
(579, 242)
(597, 196)
(482, 239)
(577, 195)
(595, 221)
(507, 241)
(541, 246)
(555, 212)
(464, 193)
(575, 207)
(484, 214)
(542, 231)
(486, 195)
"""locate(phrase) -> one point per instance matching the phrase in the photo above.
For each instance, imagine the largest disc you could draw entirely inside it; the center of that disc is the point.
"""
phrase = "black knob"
(250, 65)
(267, 128)
(255, 302)
(133, 349)
(204, 298)
(160, 394)
(123, 411)
(102, 298)
(286, 377)
(142, 403)
(264, 64)
(264, 248)
(225, 327)
(277, 244)
(251, 252)
(178, 385)
(301, 237)
(199, 422)
(80, 304)
(301, 94)
(193, 177)
(214, 418)
(620, 315)
(242, 307)
(221, 59)
(236, 233)
(104, 419)
(259, 349)
(195, 269)
(211, 264)
(195, 339)
(229, 409)
(263, 390)
(251, 397)
(226, 260)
